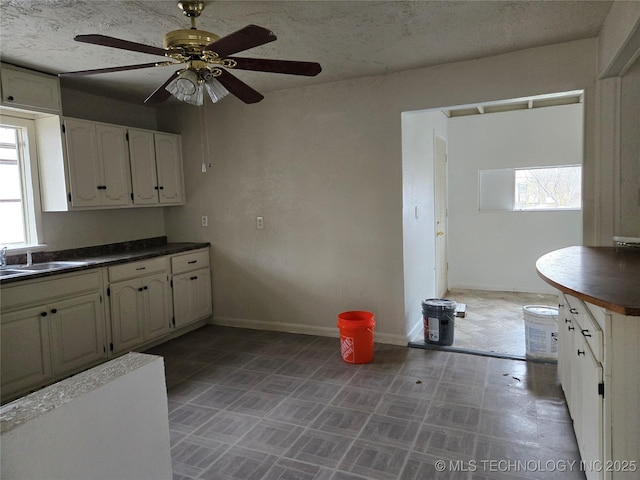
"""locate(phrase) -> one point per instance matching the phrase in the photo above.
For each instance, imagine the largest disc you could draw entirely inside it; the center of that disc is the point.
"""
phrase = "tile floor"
(494, 321)
(249, 405)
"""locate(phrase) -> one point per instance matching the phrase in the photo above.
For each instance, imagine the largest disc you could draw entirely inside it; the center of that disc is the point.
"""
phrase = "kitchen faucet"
(3, 257)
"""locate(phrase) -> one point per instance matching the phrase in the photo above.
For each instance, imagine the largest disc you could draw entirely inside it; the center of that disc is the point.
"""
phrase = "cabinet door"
(590, 439)
(77, 333)
(182, 299)
(25, 350)
(143, 167)
(157, 305)
(114, 161)
(32, 90)
(201, 292)
(83, 162)
(127, 315)
(169, 167)
(191, 296)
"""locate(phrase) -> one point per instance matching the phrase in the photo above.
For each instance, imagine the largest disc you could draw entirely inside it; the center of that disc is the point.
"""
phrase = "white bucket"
(541, 332)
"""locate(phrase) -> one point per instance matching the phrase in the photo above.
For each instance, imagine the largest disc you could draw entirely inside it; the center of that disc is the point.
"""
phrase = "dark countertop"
(103, 256)
(598, 275)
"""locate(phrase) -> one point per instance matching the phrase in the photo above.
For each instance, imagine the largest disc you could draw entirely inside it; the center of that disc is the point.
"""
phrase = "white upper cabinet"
(169, 168)
(142, 153)
(156, 168)
(91, 165)
(29, 90)
(98, 164)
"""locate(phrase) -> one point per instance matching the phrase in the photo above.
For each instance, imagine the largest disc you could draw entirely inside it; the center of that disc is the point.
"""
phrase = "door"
(25, 349)
(169, 166)
(116, 173)
(191, 296)
(157, 305)
(143, 167)
(127, 315)
(85, 175)
(77, 333)
(440, 200)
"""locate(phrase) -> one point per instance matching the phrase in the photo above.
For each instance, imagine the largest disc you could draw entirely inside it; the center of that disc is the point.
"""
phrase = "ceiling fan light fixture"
(186, 87)
(215, 90)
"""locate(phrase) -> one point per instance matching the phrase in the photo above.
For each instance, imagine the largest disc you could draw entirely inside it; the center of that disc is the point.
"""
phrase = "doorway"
(482, 258)
(440, 200)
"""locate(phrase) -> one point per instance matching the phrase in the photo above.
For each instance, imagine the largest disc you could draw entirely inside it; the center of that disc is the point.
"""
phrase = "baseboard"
(512, 289)
(298, 328)
(416, 329)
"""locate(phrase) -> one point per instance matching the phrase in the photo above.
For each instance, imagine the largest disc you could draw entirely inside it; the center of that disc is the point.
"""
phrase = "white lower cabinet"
(50, 329)
(598, 359)
(26, 350)
(191, 287)
(191, 296)
(75, 341)
(141, 309)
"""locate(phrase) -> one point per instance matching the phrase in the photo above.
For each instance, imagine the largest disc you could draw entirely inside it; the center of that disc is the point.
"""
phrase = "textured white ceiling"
(348, 38)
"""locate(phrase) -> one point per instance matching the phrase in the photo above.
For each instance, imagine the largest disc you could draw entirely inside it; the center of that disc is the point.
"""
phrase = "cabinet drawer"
(137, 269)
(586, 326)
(189, 261)
(41, 291)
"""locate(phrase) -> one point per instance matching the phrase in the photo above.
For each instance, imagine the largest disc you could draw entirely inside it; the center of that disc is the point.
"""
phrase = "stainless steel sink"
(6, 272)
(38, 267)
(15, 270)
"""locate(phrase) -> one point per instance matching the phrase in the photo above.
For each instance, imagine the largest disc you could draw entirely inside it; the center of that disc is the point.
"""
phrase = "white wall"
(418, 162)
(497, 250)
(323, 165)
(100, 425)
(67, 230)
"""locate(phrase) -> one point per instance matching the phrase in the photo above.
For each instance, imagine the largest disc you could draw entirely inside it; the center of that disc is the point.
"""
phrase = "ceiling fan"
(207, 60)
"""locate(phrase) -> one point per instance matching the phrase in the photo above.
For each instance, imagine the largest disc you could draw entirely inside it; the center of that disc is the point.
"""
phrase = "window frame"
(503, 180)
(29, 176)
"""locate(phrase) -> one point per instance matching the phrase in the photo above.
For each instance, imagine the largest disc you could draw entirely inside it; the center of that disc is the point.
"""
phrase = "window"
(19, 203)
(548, 188)
(538, 188)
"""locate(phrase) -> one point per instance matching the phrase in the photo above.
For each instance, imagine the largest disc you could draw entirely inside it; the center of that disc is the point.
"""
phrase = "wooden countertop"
(598, 275)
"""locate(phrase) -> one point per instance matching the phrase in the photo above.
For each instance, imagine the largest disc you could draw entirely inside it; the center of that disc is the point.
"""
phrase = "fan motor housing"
(189, 38)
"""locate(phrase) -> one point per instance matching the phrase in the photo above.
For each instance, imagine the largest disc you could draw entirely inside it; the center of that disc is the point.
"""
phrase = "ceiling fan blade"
(118, 43)
(238, 88)
(309, 69)
(160, 94)
(82, 73)
(244, 39)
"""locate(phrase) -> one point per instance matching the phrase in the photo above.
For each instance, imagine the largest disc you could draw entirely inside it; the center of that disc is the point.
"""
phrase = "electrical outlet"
(205, 221)
(260, 222)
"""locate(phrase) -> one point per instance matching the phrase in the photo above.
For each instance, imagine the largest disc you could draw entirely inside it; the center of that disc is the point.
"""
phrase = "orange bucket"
(356, 336)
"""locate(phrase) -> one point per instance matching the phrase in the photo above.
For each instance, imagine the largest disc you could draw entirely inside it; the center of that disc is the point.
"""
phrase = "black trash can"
(439, 320)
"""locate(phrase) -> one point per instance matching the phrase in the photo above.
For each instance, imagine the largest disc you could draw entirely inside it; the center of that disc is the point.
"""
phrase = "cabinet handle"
(192, 262)
(54, 310)
(102, 187)
(141, 268)
(193, 278)
(145, 288)
(580, 352)
(573, 310)
(560, 305)
(567, 320)
(161, 188)
(586, 333)
(10, 98)
(570, 328)
(139, 289)
(43, 314)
